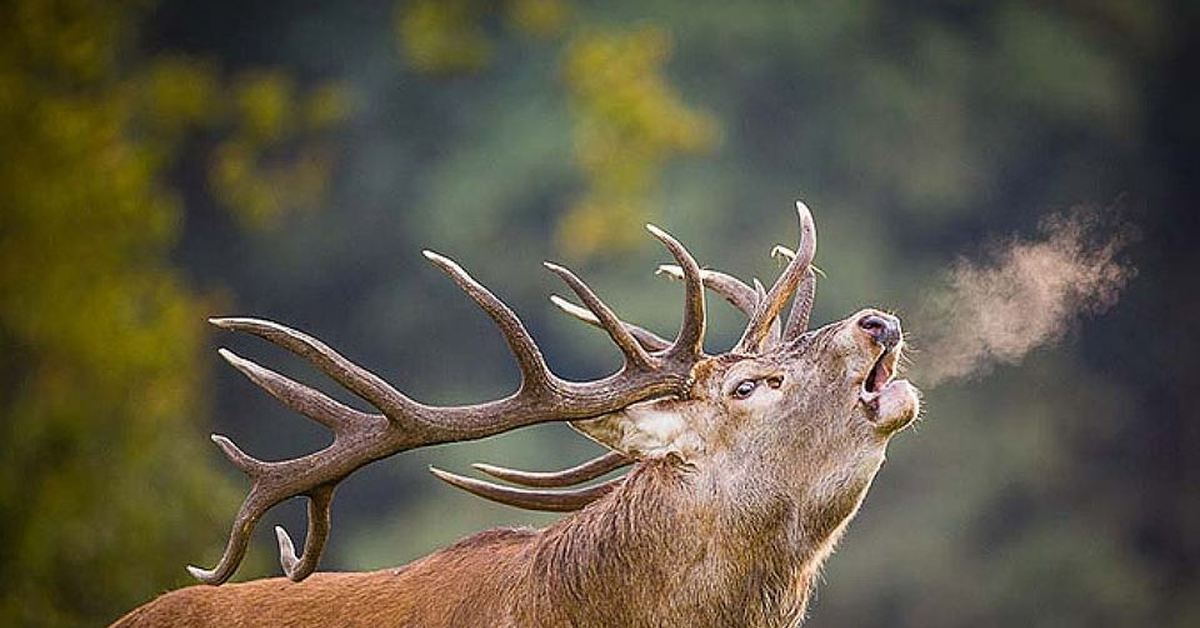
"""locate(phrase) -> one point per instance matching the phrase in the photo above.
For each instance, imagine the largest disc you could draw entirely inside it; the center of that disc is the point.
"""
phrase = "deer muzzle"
(890, 403)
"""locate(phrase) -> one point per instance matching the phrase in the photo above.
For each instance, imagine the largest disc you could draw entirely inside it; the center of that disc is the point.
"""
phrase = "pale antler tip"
(246, 323)
(672, 271)
(662, 236)
(240, 459)
(287, 550)
(444, 476)
(199, 573)
(571, 309)
(780, 250)
(453, 479)
(287, 554)
(440, 260)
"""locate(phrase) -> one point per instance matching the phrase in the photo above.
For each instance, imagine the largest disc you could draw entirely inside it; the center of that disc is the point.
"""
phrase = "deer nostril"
(885, 329)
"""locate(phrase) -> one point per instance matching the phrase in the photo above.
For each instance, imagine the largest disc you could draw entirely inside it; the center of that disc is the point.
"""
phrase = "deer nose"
(884, 328)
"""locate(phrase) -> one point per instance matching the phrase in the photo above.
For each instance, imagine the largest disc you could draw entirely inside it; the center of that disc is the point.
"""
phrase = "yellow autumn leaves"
(272, 155)
(105, 469)
(629, 123)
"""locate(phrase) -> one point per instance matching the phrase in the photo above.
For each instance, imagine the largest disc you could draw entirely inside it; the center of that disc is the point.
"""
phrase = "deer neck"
(687, 544)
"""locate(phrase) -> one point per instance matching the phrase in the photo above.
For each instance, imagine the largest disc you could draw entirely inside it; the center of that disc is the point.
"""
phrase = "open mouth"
(880, 375)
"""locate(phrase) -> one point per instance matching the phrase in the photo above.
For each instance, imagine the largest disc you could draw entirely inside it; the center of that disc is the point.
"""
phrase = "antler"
(806, 295)
(784, 287)
(648, 339)
(578, 474)
(546, 501)
(799, 277)
(732, 289)
(402, 423)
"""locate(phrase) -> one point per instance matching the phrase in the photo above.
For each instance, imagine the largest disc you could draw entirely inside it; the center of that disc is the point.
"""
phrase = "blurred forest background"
(161, 162)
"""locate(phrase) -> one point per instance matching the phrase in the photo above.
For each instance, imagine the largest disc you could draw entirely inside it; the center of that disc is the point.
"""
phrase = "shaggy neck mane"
(665, 544)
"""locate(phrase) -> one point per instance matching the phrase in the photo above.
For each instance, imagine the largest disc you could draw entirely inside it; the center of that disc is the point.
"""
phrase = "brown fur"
(624, 554)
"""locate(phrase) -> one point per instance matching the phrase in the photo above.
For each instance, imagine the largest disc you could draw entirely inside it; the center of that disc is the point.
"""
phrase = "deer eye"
(744, 388)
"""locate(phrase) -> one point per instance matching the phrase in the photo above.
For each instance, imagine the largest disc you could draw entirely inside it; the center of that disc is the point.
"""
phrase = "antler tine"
(534, 371)
(783, 288)
(649, 340)
(585, 472)
(782, 252)
(728, 287)
(300, 398)
(546, 501)
(248, 515)
(635, 356)
(760, 291)
(319, 516)
(798, 318)
(689, 342)
(760, 295)
(735, 291)
(788, 255)
(270, 485)
(355, 378)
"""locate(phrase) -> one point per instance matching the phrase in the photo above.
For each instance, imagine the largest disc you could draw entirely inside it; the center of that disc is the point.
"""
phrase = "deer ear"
(647, 430)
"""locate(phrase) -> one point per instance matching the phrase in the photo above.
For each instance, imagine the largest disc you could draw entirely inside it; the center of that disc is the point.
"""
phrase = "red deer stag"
(747, 467)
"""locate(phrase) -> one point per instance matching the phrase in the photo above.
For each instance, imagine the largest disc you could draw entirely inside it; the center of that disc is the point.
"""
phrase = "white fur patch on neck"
(644, 431)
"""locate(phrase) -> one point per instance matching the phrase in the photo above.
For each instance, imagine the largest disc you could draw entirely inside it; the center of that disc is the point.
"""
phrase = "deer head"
(788, 415)
(808, 416)
(788, 412)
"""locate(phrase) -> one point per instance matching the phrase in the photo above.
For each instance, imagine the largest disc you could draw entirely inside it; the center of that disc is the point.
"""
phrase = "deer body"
(749, 466)
(662, 550)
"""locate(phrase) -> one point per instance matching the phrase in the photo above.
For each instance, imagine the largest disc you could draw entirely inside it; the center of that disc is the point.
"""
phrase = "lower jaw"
(893, 406)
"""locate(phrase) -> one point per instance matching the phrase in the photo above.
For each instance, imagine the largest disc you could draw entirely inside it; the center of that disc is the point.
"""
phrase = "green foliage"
(107, 483)
(629, 122)
(273, 160)
(442, 36)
